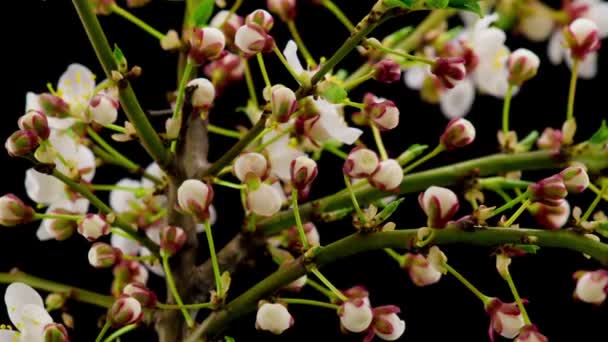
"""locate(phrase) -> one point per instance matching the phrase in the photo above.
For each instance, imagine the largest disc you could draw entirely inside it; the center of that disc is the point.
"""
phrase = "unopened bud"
(93, 226)
(172, 239)
(251, 163)
(261, 18)
(206, 44)
(203, 93)
(146, 297)
(303, 172)
(360, 163)
(36, 122)
(102, 255)
(439, 204)
(450, 71)
(55, 332)
(388, 175)
(582, 37)
(125, 311)
(458, 133)
(285, 9)
(523, 65)
(387, 71)
(194, 198)
(575, 179)
(21, 143)
(14, 212)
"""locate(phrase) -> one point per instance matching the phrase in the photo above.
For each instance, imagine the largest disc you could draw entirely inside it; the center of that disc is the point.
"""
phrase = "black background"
(40, 38)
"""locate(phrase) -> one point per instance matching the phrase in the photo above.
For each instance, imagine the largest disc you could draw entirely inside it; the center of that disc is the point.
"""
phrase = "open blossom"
(194, 197)
(203, 93)
(264, 201)
(93, 226)
(125, 310)
(551, 215)
(361, 162)
(458, 133)
(575, 179)
(227, 22)
(388, 175)
(261, 18)
(281, 152)
(250, 164)
(505, 318)
(439, 204)
(103, 109)
(523, 65)
(273, 317)
(383, 113)
(285, 9)
(13, 211)
(387, 325)
(591, 287)
(327, 123)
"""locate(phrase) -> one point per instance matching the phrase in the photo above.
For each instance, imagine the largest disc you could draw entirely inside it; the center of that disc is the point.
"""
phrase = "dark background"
(40, 38)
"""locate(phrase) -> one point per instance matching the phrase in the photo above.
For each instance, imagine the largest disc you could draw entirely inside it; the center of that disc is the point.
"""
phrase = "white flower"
(251, 163)
(361, 162)
(592, 287)
(103, 109)
(203, 94)
(458, 101)
(396, 324)
(125, 200)
(45, 230)
(281, 152)
(388, 176)
(356, 315)
(330, 125)
(274, 318)
(264, 201)
(26, 311)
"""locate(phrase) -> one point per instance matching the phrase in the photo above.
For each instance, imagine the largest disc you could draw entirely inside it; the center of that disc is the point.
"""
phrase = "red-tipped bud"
(283, 102)
(146, 297)
(261, 18)
(439, 204)
(523, 65)
(530, 333)
(228, 23)
(14, 212)
(388, 176)
(36, 122)
(551, 139)
(582, 37)
(549, 189)
(93, 226)
(54, 106)
(250, 164)
(361, 163)
(60, 229)
(103, 109)
(55, 332)
(449, 71)
(265, 201)
(303, 171)
(194, 198)
(102, 255)
(575, 178)
(387, 71)
(206, 44)
(458, 133)
(356, 314)
(125, 311)
(21, 143)
(172, 239)
(310, 230)
(387, 325)
(420, 270)
(273, 318)
(591, 287)
(252, 39)
(505, 318)
(551, 215)
(203, 93)
(285, 9)
(384, 113)
(225, 70)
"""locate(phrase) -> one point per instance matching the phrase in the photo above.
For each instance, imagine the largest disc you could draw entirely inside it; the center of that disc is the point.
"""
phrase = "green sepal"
(121, 60)
(201, 15)
(600, 136)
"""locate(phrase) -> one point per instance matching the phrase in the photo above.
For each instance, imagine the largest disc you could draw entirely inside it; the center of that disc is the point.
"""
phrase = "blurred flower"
(591, 287)
(273, 317)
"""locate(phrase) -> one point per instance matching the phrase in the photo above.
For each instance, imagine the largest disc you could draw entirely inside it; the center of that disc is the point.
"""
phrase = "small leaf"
(437, 3)
(229, 339)
(121, 60)
(530, 249)
(332, 92)
(225, 280)
(200, 16)
(467, 5)
(601, 135)
(602, 229)
(387, 211)
(411, 153)
(399, 3)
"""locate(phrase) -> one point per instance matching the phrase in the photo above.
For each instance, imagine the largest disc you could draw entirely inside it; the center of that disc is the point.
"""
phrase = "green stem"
(146, 133)
(572, 89)
(328, 284)
(503, 194)
(291, 25)
(405, 55)
(411, 153)
(105, 187)
(250, 85)
(173, 289)
(510, 204)
(353, 198)
(484, 299)
(378, 140)
(130, 165)
(337, 12)
(286, 64)
(233, 10)
(120, 332)
(518, 300)
(196, 306)
(104, 330)
(223, 131)
(116, 128)
(519, 211)
(396, 256)
(353, 83)
(595, 202)
(228, 184)
(42, 216)
(438, 149)
(335, 151)
(506, 108)
(301, 232)
(598, 191)
(309, 302)
(262, 65)
(493, 183)
(181, 92)
(142, 258)
(322, 289)
(140, 23)
(214, 263)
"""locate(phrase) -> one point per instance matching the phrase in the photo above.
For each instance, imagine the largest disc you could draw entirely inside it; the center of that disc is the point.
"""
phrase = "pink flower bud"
(421, 271)
(93, 226)
(60, 229)
(582, 37)
(194, 198)
(102, 255)
(55, 332)
(523, 65)
(551, 215)
(264, 201)
(530, 333)
(384, 113)
(14, 212)
(125, 311)
(225, 70)
(450, 71)
(273, 317)
(172, 239)
(361, 163)
(229, 26)
(549, 189)
(103, 109)
(261, 18)
(591, 287)
(54, 106)
(505, 318)
(252, 39)
(283, 102)
(206, 44)
(387, 71)
(387, 325)
(36, 122)
(303, 171)
(285, 9)
(458, 133)
(146, 297)
(439, 204)
(551, 139)
(575, 178)
(388, 175)
(250, 164)
(311, 232)
(203, 93)
(356, 314)
(21, 143)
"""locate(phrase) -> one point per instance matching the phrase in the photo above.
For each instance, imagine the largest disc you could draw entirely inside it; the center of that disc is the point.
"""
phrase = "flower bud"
(264, 201)
(206, 44)
(450, 71)
(252, 39)
(458, 133)
(421, 271)
(582, 37)
(228, 23)
(14, 212)
(103, 109)
(439, 204)
(21, 143)
(551, 139)
(102, 255)
(55, 332)
(356, 314)
(285, 9)
(283, 102)
(36, 122)
(387, 71)
(60, 229)
(296, 285)
(591, 287)
(505, 318)
(194, 198)
(502, 265)
(530, 333)
(146, 297)
(261, 18)
(311, 232)
(125, 311)
(172, 239)
(250, 164)
(93, 226)
(387, 325)
(54, 301)
(203, 93)
(361, 163)
(273, 317)
(548, 189)
(575, 178)
(225, 70)
(523, 65)
(384, 113)
(172, 127)
(551, 215)
(303, 171)
(388, 175)
(53, 106)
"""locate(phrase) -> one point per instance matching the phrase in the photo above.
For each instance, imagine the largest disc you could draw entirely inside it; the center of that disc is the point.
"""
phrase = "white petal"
(537, 27)
(31, 101)
(469, 18)
(43, 233)
(457, 102)
(587, 68)
(154, 170)
(291, 54)
(127, 246)
(34, 319)
(414, 77)
(80, 205)
(122, 200)
(76, 87)
(8, 336)
(555, 50)
(42, 188)
(153, 233)
(18, 295)
(599, 14)
(156, 268)
(332, 126)
(86, 163)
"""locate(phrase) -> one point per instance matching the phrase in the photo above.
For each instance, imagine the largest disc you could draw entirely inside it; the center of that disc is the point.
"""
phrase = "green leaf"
(600, 137)
(399, 3)
(602, 229)
(200, 16)
(437, 3)
(467, 5)
(411, 153)
(530, 249)
(121, 60)
(387, 211)
(333, 92)
(229, 339)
